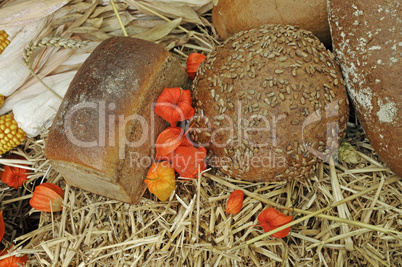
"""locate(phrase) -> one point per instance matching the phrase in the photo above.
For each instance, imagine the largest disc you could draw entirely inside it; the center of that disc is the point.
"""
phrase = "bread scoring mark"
(387, 112)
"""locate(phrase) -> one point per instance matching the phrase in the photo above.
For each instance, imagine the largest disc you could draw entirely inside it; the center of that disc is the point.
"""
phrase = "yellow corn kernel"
(1, 100)
(10, 135)
(3, 41)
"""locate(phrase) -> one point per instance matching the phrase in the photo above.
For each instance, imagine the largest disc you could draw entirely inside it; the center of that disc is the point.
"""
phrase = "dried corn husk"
(35, 112)
(13, 72)
(34, 99)
(26, 12)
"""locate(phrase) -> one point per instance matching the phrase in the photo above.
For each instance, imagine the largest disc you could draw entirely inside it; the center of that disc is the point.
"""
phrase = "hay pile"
(346, 214)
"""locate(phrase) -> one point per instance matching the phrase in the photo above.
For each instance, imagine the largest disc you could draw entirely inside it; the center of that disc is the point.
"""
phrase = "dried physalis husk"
(347, 154)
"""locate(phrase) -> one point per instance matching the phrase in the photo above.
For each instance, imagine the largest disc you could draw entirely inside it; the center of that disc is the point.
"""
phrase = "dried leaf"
(95, 36)
(25, 12)
(112, 24)
(53, 59)
(185, 12)
(159, 32)
(72, 63)
(103, 9)
(94, 23)
(84, 17)
(178, 3)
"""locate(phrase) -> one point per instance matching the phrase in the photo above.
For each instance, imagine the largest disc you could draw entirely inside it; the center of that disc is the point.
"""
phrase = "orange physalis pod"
(2, 226)
(169, 140)
(235, 202)
(186, 159)
(12, 261)
(174, 104)
(47, 197)
(161, 180)
(271, 219)
(194, 61)
(14, 176)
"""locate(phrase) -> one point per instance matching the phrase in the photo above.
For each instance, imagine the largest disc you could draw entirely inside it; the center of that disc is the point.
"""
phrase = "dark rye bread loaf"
(102, 137)
(270, 102)
(367, 42)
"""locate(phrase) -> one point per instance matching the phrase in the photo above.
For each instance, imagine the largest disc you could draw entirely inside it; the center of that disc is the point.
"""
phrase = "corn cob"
(10, 135)
(1, 100)
(3, 41)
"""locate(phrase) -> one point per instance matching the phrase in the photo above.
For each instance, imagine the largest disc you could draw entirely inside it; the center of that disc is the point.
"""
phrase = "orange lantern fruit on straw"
(161, 180)
(271, 219)
(14, 176)
(12, 261)
(47, 197)
(235, 202)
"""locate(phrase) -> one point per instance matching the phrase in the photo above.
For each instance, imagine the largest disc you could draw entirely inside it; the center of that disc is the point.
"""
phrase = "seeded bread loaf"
(367, 43)
(232, 16)
(102, 137)
(270, 102)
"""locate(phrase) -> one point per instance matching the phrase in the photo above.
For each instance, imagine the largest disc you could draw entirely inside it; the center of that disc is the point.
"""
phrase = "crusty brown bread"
(367, 43)
(102, 137)
(232, 16)
(269, 102)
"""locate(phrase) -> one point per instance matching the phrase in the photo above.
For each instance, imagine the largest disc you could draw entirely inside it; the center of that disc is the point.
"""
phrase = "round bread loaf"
(269, 101)
(232, 16)
(367, 42)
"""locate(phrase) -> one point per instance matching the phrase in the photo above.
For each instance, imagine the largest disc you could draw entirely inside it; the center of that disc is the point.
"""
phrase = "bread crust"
(268, 101)
(232, 16)
(367, 43)
(106, 117)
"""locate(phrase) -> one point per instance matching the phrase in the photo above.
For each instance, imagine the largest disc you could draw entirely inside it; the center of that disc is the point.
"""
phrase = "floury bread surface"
(103, 135)
(367, 42)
